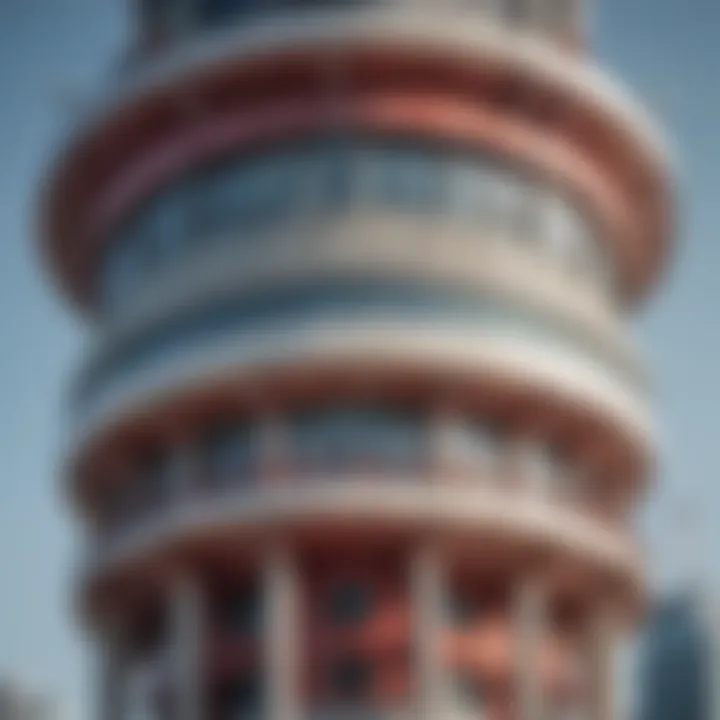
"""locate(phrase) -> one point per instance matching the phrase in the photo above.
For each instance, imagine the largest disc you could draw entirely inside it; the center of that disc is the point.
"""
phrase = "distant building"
(678, 657)
(19, 703)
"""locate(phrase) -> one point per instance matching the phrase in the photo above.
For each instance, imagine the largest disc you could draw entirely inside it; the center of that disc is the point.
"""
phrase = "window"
(357, 439)
(568, 239)
(335, 181)
(219, 12)
(230, 453)
(164, 19)
(126, 501)
(474, 445)
(350, 604)
(504, 202)
(242, 614)
(211, 200)
(241, 699)
(248, 195)
(402, 177)
(468, 190)
(156, 480)
(462, 609)
(352, 679)
(122, 274)
(168, 233)
(266, 186)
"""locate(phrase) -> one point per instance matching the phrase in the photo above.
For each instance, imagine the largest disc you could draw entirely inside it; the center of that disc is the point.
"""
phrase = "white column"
(186, 647)
(529, 622)
(602, 645)
(280, 597)
(427, 589)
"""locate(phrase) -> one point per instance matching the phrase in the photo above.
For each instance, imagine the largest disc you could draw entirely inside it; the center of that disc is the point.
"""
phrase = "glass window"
(468, 190)
(463, 610)
(266, 188)
(242, 614)
(231, 453)
(156, 484)
(352, 679)
(211, 199)
(528, 224)
(123, 273)
(169, 227)
(504, 201)
(218, 12)
(357, 439)
(141, 239)
(252, 193)
(165, 19)
(125, 503)
(351, 604)
(402, 176)
(334, 174)
(474, 445)
(241, 699)
(565, 235)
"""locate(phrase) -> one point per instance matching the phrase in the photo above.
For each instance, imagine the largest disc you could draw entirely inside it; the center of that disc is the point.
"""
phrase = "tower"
(360, 429)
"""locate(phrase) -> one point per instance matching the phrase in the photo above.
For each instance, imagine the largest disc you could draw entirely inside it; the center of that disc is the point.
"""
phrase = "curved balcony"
(372, 328)
(608, 155)
(504, 518)
(457, 29)
(256, 201)
(349, 465)
(379, 247)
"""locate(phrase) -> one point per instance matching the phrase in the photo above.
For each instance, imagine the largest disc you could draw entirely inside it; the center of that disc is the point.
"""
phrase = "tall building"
(680, 660)
(361, 429)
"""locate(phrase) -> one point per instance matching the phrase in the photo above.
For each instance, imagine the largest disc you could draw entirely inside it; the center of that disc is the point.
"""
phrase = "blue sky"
(52, 52)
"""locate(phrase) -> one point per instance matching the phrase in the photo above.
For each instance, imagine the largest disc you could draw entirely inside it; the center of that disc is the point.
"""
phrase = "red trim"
(384, 89)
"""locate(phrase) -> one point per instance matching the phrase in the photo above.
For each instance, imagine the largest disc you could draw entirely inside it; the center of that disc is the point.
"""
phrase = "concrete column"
(603, 636)
(281, 651)
(529, 620)
(186, 647)
(427, 589)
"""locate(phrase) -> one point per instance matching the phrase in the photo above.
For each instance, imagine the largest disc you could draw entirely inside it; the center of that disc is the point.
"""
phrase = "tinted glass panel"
(243, 198)
(350, 603)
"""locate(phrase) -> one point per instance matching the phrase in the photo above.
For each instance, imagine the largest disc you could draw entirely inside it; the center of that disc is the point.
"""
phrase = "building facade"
(361, 427)
(680, 659)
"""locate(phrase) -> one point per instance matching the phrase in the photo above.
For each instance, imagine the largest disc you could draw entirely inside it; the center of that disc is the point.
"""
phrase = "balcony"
(518, 494)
